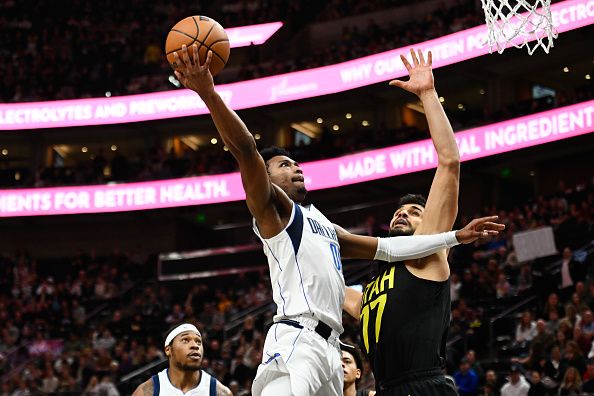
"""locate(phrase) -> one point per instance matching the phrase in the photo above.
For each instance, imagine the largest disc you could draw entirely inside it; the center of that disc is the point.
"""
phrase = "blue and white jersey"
(305, 268)
(162, 386)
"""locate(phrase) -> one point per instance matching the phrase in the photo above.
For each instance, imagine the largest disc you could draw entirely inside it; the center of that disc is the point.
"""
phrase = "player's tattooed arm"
(222, 390)
(144, 389)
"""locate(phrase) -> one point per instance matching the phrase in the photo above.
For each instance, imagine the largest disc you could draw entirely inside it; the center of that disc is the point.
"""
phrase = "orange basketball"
(207, 33)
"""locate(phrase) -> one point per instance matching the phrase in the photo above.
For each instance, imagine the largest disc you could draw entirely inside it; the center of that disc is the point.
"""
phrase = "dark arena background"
(122, 213)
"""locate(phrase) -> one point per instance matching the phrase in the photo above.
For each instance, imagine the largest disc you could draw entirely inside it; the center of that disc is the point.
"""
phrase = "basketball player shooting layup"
(184, 348)
(405, 311)
(301, 352)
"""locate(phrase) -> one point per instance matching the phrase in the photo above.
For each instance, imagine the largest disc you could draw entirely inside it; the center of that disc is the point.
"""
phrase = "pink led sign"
(480, 142)
(457, 47)
(252, 34)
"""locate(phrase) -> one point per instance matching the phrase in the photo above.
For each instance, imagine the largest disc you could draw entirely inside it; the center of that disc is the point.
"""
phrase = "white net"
(519, 23)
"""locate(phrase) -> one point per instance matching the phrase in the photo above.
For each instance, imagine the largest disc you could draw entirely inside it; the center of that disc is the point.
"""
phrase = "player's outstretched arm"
(263, 199)
(442, 203)
(403, 248)
(144, 389)
(406, 248)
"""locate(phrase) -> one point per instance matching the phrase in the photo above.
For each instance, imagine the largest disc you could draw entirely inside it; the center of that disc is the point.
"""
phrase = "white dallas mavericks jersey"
(305, 268)
(162, 386)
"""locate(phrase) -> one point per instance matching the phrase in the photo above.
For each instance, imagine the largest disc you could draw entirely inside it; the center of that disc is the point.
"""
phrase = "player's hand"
(191, 73)
(480, 228)
(421, 76)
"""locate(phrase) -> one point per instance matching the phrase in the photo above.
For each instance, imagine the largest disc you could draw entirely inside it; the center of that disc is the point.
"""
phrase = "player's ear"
(168, 351)
(358, 374)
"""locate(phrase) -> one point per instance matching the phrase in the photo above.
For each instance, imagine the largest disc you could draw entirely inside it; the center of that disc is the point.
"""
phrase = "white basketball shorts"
(313, 364)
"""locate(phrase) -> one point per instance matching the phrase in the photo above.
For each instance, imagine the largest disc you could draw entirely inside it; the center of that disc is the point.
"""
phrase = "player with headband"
(184, 348)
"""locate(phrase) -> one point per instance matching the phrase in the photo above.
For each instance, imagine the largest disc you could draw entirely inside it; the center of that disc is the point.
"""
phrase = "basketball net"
(519, 24)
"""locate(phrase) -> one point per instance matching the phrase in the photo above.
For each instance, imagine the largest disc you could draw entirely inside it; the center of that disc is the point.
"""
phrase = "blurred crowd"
(46, 308)
(344, 8)
(97, 46)
(79, 326)
(76, 327)
(367, 38)
(110, 47)
(82, 334)
(544, 347)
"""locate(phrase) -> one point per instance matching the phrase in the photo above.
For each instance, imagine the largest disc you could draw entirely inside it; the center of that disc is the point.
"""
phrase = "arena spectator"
(537, 388)
(466, 379)
(588, 378)
(492, 382)
(517, 384)
(556, 365)
(572, 383)
(574, 356)
(552, 304)
(526, 329)
(543, 337)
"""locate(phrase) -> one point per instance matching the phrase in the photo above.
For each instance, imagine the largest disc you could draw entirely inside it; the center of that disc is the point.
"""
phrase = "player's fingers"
(185, 56)
(208, 59)
(429, 59)
(421, 57)
(177, 62)
(493, 226)
(484, 233)
(485, 219)
(487, 234)
(397, 83)
(414, 57)
(478, 222)
(406, 62)
(180, 77)
(195, 53)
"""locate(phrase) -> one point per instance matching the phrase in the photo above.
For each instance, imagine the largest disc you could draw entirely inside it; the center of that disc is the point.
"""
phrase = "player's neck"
(184, 380)
(350, 390)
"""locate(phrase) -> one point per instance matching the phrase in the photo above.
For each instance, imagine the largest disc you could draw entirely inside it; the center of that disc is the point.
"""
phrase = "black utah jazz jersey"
(404, 322)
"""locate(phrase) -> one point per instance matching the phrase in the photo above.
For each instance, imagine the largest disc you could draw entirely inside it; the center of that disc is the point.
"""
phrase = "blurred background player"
(352, 364)
(185, 351)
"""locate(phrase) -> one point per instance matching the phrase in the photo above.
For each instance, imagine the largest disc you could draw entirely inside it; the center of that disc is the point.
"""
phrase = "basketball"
(204, 31)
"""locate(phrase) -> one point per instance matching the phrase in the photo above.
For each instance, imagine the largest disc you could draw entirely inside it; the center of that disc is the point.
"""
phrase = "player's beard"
(298, 194)
(394, 232)
(187, 367)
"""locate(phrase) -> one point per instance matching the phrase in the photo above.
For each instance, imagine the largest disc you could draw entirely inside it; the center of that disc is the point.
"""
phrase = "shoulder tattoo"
(147, 388)
(222, 390)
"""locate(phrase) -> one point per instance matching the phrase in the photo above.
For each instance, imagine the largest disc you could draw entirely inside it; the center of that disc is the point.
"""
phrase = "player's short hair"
(272, 151)
(355, 352)
(416, 199)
